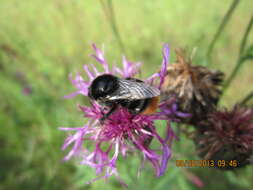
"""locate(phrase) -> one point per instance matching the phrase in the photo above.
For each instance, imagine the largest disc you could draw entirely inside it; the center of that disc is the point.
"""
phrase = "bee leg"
(105, 116)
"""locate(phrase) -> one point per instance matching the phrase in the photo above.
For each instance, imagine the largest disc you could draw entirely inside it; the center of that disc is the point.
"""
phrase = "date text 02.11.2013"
(206, 163)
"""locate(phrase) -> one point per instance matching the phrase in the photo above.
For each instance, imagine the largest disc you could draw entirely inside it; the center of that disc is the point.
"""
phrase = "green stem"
(222, 26)
(247, 98)
(110, 14)
(241, 59)
(245, 37)
(232, 75)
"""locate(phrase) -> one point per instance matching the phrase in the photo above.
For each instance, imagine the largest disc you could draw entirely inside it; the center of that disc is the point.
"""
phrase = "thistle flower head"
(122, 131)
(196, 87)
(227, 135)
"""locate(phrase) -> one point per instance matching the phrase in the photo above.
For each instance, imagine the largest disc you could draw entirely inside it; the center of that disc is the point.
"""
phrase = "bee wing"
(134, 90)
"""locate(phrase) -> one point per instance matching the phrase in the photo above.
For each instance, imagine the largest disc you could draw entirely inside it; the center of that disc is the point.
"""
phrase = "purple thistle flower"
(227, 135)
(122, 131)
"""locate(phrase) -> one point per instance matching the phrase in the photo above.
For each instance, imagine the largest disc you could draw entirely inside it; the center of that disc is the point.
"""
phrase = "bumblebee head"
(103, 86)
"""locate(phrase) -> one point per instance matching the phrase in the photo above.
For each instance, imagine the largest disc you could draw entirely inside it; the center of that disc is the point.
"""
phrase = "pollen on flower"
(123, 131)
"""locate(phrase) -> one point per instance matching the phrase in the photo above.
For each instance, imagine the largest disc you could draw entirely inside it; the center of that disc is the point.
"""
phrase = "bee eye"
(104, 86)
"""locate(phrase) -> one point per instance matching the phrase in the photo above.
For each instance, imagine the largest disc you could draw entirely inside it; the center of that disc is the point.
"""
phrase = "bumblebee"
(133, 94)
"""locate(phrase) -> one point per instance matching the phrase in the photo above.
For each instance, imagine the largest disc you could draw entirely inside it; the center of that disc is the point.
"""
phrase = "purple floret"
(122, 132)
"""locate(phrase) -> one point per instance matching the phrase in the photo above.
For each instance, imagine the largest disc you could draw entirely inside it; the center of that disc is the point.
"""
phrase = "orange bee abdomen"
(152, 106)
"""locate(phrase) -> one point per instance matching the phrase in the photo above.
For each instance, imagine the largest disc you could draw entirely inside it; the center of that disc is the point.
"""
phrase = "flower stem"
(245, 36)
(247, 98)
(222, 26)
(110, 14)
(241, 57)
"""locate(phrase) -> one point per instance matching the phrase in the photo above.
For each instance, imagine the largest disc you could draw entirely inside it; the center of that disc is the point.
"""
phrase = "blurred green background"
(42, 41)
